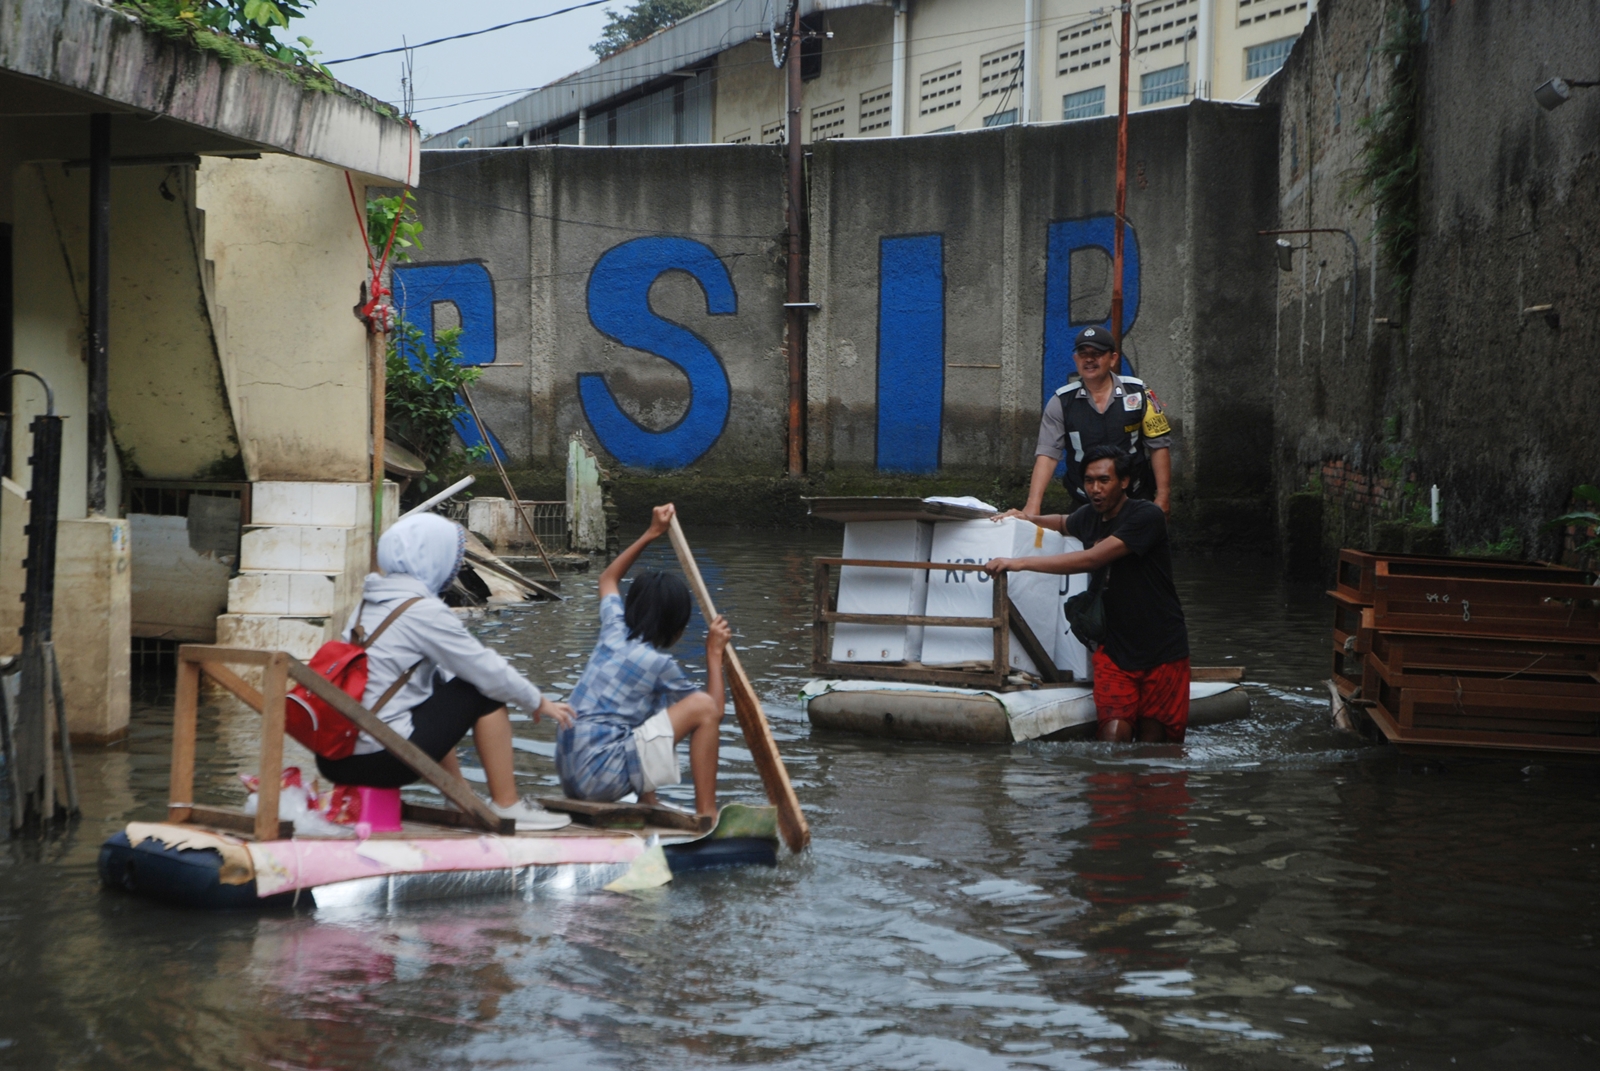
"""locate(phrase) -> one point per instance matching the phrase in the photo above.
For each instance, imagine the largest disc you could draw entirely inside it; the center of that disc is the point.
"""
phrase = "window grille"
(941, 90)
(741, 138)
(170, 498)
(1165, 22)
(774, 133)
(1262, 60)
(1084, 46)
(1169, 83)
(1253, 11)
(1000, 72)
(1084, 105)
(827, 121)
(876, 108)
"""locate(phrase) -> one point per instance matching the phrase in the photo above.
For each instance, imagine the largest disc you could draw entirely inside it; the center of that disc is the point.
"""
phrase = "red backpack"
(315, 723)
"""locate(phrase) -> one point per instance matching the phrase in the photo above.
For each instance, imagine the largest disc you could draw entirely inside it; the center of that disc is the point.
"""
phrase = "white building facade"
(901, 67)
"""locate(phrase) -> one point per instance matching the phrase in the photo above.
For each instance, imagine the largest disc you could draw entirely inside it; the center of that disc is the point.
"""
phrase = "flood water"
(1269, 895)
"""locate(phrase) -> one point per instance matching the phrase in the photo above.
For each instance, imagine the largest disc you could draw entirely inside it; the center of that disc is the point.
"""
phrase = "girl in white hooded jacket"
(453, 682)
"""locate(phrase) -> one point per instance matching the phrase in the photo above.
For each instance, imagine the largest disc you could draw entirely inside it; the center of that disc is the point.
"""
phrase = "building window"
(741, 138)
(774, 133)
(1164, 22)
(1005, 118)
(1084, 105)
(1169, 83)
(1252, 11)
(827, 121)
(941, 90)
(1262, 60)
(1082, 46)
(1000, 72)
(876, 108)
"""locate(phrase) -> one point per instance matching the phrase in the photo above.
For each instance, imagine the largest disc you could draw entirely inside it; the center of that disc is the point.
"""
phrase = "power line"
(469, 33)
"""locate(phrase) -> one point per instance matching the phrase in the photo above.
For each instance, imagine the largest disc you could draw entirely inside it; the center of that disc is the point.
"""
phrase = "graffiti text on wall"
(619, 307)
(1060, 330)
(910, 352)
(419, 290)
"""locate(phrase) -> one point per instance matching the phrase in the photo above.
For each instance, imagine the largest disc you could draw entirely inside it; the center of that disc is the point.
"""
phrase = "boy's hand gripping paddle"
(747, 707)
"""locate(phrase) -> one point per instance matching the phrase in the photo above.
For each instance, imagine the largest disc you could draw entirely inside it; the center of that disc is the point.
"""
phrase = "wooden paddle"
(747, 708)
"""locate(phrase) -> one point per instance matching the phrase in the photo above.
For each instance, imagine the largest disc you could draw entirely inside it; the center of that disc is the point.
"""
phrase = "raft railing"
(278, 668)
(1004, 621)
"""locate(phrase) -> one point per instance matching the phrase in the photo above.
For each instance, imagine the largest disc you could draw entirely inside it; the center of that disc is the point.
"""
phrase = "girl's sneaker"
(530, 817)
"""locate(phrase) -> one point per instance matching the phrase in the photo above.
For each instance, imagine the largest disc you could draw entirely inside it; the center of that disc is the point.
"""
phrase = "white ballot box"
(1070, 654)
(1038, 596)
(865, 590)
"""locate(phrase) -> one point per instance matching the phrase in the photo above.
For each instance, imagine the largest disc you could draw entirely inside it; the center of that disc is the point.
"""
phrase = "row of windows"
(1001, 71)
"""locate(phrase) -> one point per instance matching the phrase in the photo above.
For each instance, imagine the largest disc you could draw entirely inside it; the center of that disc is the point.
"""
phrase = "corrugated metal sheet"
(682, 45)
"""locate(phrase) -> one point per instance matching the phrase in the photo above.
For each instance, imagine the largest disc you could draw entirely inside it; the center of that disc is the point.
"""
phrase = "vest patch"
(1131, 402)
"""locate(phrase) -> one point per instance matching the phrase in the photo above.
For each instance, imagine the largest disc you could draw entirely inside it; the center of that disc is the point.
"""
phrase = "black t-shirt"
(1144, 621)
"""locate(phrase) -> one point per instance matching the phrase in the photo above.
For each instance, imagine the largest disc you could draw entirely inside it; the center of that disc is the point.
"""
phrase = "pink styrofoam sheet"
(286, 865)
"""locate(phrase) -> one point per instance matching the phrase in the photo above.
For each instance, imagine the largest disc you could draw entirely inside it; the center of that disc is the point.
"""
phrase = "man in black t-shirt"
(1141, 672)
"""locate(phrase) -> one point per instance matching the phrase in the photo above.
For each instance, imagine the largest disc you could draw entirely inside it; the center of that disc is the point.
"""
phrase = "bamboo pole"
(377, 354)
(506, 480)
(747, 708)
(274, 687)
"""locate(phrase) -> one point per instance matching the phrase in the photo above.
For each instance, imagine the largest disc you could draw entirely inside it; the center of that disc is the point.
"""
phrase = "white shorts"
(658, 755)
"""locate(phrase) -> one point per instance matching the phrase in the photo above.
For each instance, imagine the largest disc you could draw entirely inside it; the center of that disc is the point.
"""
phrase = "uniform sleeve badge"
(1155, 421)
(1131, 402)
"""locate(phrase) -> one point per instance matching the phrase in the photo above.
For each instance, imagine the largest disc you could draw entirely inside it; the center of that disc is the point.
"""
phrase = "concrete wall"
(1491, 403)
(566, 266)
(289, 258)
(952, 274)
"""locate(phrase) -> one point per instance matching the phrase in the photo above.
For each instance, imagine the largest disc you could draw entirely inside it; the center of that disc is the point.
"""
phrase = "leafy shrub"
(423, 401)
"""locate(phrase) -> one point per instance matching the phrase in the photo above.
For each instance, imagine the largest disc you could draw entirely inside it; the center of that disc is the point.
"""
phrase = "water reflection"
(1264, 896)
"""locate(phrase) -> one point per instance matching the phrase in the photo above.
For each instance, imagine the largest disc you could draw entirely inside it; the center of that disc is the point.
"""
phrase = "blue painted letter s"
(619, 307)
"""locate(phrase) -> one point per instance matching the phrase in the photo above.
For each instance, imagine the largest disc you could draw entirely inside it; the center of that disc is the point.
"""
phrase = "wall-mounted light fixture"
(1285, 253)
(1556, 92)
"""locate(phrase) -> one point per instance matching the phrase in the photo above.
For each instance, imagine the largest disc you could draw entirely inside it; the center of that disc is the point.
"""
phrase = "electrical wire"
(469, 33)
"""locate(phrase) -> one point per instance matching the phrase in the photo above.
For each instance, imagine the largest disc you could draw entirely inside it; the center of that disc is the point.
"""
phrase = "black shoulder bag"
(1086, 611)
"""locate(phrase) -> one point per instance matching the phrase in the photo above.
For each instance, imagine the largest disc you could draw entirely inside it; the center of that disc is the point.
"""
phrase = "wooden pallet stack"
(1469, 653)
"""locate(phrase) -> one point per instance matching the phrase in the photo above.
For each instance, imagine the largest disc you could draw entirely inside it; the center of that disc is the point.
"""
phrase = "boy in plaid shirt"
(634, 702)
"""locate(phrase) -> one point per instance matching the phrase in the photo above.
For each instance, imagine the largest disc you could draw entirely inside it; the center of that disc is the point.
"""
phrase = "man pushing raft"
(1141, 670)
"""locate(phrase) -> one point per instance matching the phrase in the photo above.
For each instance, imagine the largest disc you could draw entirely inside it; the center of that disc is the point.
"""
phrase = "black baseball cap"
(1093, 338)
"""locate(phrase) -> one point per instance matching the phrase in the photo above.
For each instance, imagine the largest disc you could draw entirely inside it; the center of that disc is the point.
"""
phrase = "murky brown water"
(1266, 896)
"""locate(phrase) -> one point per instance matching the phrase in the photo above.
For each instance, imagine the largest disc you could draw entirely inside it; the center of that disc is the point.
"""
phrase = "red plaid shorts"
(1161, 692)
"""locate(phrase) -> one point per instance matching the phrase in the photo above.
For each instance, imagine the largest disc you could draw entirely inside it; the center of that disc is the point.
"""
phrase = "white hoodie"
(428, 632)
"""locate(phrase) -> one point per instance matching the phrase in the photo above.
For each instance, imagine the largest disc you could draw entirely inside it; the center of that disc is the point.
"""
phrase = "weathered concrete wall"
(952, 274)
(566, 267)
(289, 258)
(1492, 403)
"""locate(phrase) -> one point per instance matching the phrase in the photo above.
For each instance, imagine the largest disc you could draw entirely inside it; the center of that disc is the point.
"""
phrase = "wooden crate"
(1516, 609)
(1358, 571)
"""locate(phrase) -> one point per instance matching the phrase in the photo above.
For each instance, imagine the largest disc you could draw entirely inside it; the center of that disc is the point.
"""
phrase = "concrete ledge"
(109, 54)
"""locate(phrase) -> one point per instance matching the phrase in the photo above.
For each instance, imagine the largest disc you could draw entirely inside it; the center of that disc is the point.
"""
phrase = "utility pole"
(99, 305)
(796, 333)
(1120, 223)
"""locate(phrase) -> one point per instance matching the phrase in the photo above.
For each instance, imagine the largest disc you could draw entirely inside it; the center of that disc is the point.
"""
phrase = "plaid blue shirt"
(625, 683)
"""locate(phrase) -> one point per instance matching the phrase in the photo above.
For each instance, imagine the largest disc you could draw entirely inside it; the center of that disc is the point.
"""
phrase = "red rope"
(376, 291)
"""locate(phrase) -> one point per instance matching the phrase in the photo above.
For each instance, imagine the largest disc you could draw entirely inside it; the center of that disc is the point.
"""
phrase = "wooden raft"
(278, 668)
(1465, 654)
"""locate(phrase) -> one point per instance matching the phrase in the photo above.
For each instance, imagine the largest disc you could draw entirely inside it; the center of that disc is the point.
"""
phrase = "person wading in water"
(1141, 671)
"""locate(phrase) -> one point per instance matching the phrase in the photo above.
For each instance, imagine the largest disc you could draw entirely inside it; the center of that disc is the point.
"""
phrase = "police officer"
(1098, 407)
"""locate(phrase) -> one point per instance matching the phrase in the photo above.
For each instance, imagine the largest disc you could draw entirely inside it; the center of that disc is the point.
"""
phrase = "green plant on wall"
(1390, 169)
(423, 401)
(239, 31)
(1583, 519)
(396, 214)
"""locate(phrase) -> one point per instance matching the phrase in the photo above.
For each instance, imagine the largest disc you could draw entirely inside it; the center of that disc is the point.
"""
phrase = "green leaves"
(423, 400)
(253, 22)
(641, 20)
(382, 213)
(1389, 175)
(1582, 519)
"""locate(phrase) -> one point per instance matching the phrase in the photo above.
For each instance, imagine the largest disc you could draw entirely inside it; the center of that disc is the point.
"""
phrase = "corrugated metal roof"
(683, 44)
